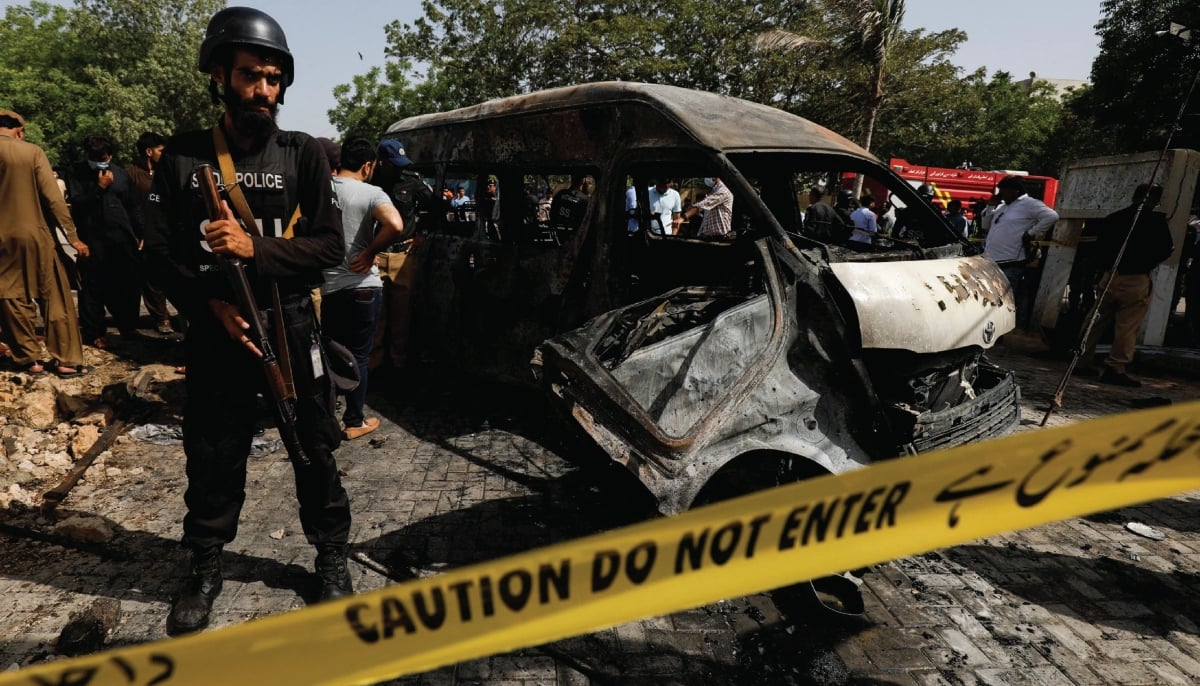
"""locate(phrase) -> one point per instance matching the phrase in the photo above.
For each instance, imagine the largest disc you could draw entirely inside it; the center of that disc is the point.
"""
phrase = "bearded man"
(285, 178)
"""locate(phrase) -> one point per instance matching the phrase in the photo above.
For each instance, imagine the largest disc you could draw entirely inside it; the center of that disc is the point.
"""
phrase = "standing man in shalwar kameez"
(30, 273)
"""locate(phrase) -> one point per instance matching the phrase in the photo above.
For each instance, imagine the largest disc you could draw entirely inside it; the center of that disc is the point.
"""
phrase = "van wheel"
(756, 471)
(818, 620)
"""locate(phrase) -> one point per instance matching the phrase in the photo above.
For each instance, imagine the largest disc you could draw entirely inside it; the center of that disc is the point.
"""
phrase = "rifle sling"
(242, 209)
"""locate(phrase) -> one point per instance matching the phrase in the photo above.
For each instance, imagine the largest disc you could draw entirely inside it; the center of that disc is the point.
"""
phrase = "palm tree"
(876, 23)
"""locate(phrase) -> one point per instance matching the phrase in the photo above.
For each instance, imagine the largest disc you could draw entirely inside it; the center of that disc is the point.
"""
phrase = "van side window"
(856, 212)
(666, 249)
(457, 197)
(553, 206)
(683, 201)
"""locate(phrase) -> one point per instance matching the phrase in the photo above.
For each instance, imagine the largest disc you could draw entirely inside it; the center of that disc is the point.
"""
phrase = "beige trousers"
(1125, 306)
(63, 341)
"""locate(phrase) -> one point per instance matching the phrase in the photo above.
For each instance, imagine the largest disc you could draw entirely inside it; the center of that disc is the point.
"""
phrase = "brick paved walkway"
(454, 479)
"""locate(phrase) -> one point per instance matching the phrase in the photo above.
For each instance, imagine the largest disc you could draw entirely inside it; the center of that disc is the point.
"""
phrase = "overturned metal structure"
(706, 367)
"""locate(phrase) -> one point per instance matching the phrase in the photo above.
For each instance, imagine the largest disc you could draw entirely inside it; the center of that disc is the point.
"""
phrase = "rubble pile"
(47, 423)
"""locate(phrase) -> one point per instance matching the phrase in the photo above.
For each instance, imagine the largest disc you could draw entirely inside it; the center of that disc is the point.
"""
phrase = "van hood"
(929, 306)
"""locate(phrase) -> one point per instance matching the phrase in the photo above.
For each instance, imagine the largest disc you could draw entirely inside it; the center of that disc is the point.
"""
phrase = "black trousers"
(223, 380)
(111, 278)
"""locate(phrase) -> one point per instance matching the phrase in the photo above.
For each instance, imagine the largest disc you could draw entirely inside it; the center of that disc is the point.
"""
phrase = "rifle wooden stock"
(281, 391)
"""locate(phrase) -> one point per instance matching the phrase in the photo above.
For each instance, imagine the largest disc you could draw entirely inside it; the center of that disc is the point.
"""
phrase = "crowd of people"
(102, 225)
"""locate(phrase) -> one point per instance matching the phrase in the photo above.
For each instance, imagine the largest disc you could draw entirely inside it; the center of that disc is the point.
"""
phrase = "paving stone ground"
(458, 477)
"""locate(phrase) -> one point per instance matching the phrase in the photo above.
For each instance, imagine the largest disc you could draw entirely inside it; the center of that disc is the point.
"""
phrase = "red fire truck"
(970, 185)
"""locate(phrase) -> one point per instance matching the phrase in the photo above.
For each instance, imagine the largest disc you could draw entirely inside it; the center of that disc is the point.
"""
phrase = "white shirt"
(1011, 222)
(665, 205)
(631, 210)
(985, 216)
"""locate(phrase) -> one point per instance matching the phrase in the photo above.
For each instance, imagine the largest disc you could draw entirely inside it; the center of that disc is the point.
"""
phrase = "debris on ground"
(88, 629)
(47, 424)
(84, 529)
(1145, 531)
(158, 434)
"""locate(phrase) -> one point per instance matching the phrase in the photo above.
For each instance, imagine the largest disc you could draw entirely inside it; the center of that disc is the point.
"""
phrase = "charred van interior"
(695, 282)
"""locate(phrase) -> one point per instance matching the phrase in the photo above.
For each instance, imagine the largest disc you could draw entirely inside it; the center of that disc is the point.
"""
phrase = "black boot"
(191, 608)
(332, 572)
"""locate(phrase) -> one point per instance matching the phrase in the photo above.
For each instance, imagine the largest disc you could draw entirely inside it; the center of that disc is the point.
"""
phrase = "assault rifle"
(282, 394)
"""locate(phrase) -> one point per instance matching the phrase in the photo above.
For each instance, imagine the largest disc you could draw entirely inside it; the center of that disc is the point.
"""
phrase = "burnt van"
(720, 343)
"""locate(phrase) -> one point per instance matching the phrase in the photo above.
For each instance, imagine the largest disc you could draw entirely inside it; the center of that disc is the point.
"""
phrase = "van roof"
(716, 121)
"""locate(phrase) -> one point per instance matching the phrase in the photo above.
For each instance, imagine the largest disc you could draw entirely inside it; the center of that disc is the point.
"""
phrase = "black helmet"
(925, 190)
(245, 26)
(845, 196)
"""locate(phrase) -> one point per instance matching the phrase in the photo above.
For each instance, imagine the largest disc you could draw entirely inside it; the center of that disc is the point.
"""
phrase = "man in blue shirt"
(865, 223)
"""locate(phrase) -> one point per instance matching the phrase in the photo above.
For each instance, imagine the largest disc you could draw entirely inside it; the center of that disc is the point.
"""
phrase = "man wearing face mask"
(108, 215)
(281, 219)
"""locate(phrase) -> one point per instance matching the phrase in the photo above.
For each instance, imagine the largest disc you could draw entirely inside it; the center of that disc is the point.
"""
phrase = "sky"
(1055, 38)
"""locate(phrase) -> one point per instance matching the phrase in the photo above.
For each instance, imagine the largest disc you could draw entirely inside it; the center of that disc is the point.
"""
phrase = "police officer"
(405, 186)
(926, 193)
(246, 55)
(908, 222)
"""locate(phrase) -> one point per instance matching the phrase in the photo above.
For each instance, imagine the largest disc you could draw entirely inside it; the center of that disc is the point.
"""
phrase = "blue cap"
(392, 150)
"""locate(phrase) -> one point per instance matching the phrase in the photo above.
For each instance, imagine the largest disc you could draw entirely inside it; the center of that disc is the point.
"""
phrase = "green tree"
(482, 50)
(37, 72)
(104, 66)
(993, 123)
(1075, 136)
(869, 29)
(372, 102)
(468, 51)
(1139, 78)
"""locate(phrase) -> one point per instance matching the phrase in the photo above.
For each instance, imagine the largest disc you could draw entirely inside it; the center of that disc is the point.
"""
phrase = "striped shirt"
(718, 211)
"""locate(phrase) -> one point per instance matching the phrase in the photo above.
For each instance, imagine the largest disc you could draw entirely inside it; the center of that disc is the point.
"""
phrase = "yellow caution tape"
(766, 540)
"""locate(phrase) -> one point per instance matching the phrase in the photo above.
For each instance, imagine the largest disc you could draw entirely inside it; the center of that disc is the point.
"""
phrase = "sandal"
(35, 368)
(69, 371)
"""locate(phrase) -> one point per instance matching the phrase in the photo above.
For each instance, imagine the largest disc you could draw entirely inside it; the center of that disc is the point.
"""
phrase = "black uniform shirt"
(112, 214)
(289, 168)
(409, 193)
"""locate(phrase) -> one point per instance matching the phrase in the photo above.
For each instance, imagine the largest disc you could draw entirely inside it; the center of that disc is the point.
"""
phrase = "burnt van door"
(515, 267)
(667, 375)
